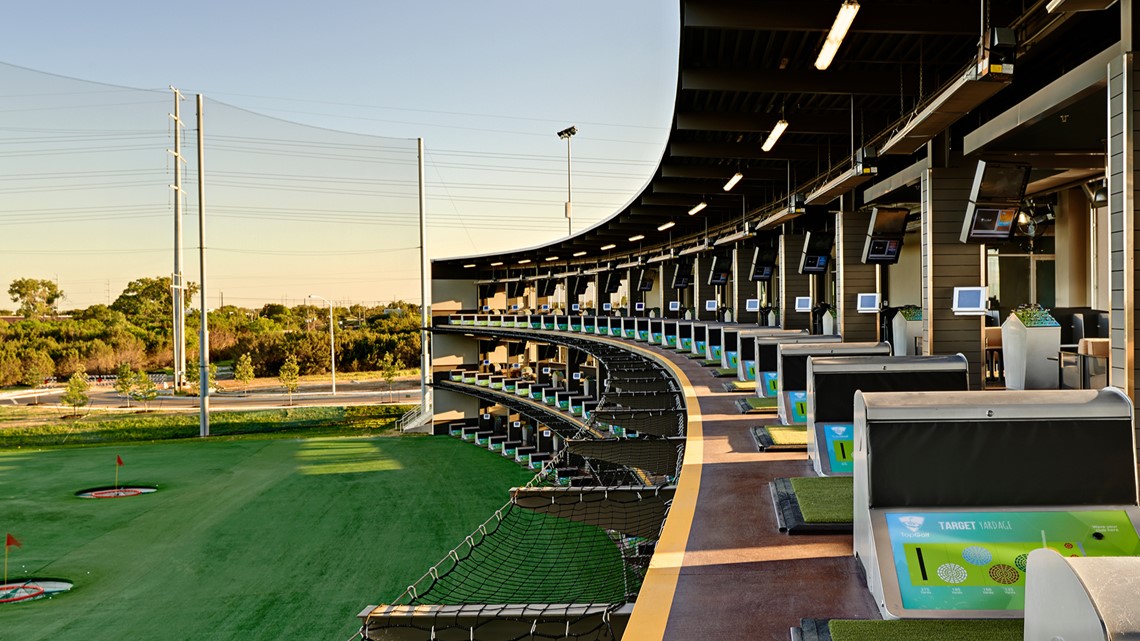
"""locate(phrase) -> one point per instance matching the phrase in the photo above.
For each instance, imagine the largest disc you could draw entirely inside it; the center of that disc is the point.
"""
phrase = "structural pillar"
(1122, 155)
(792, 283)
(852, 276)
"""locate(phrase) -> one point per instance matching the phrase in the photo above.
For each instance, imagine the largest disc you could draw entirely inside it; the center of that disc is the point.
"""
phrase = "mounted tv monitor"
(514, 308)
(546, 287)
(710, 305)
(544, 307)
(988, 224)
(969, 301)
(803, 303)
(867, 303)
(752, 305)
(613, 283)
(882, 250)
(639, 307)
(682, 275)
(674, 305)
(516, 289)
(607, 307)
(579, 285)
(817, 252)
(485, 308)
(888, 221)
(720, 271)
(763, 263)
(645, 279)
(999, 183)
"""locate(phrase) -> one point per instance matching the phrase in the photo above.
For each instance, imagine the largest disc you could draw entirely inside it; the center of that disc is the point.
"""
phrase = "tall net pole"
(425, 284)
(176, 284)
(204, 334)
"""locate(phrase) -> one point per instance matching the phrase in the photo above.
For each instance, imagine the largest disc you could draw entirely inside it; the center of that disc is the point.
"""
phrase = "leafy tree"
(290, 376)
(389, 369)
(125, 382)
(37, 366)
(193, 375)
(145, 390)
(36, 297)
(149, 302)
(243, 370)
(76, 396)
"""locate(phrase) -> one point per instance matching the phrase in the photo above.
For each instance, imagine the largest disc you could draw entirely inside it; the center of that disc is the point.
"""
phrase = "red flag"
(11, 541)
(118, 460)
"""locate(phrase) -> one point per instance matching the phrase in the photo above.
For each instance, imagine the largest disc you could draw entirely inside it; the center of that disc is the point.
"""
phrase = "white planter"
(1030, 355)
(906, 336)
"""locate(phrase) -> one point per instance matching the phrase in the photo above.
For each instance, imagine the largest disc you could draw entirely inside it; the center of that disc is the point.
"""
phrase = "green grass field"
(246, 538)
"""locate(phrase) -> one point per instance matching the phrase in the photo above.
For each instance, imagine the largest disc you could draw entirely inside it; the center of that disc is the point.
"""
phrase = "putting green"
(927, 630)
(245, 539)
(825, 499)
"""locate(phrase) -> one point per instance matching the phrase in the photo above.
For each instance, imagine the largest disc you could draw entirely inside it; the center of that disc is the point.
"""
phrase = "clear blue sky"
(486, 85)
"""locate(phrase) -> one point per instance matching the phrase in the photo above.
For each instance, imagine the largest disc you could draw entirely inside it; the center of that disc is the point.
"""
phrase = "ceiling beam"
(722, 174)
(832, 81)
(762, 123)
(946, 17)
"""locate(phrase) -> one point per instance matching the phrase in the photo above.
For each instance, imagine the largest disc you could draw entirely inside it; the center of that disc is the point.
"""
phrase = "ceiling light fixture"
(468, 265)
(496, 264)
(606, 248)
(732, 181)
(698, 207)
(665, 226)
(839, 28)
(778, 129)
(524, 261)
(634, 239)
(577, 254)
(550, 258)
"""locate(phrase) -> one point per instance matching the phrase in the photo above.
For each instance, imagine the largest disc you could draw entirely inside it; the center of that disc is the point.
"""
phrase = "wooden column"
(1122, 143)
(853, 277)
(792, 282)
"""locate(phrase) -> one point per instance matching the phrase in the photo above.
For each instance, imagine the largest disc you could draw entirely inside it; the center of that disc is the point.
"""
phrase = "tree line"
(136, 331)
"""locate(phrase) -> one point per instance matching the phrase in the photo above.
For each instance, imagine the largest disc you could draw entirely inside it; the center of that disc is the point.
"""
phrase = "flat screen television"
(514, 308)
(882, 250)
(544, 307)
(612, 283)
(710, 305)
(516, 289)
(639, 307)
(645, 279)
(817, 252)
(546, 287)
(682, 275)
(579, 284)
(674, 305)
(888, 221)
(607, 307)
(485, 308)
(763, 263)
(575, 307)
(867, 303)
(803, 303)
(995, 197)
(720, 271)
(969, 301)
(752, 305)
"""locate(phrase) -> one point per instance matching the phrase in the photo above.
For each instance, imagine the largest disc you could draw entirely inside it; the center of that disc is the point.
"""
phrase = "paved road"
(367, 393)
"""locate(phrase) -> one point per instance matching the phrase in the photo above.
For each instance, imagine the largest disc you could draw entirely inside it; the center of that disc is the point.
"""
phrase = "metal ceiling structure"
(906, 83)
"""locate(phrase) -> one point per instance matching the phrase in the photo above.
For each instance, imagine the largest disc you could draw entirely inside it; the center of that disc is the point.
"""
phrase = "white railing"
(414, 417)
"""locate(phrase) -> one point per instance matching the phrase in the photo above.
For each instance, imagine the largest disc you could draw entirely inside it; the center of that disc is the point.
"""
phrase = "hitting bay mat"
(912, 630)
(813, 504)
(780, 438)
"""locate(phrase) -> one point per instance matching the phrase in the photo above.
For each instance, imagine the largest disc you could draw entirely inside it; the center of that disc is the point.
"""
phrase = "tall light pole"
(566, 134)
(332, 341)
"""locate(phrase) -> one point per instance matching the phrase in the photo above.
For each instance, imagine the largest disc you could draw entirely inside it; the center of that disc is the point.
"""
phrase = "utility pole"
(203, 332)
(425, 287)
(566, 134)
(176, 283)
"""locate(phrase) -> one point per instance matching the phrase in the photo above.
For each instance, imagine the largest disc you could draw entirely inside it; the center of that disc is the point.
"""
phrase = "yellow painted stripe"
(655, 600)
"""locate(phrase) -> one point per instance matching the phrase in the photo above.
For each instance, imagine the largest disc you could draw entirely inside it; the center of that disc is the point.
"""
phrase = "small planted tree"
(389, 370)
(75, 396)
(145, 390)
(125, 382)
(37, 366)
(193, 376)
(290, 376)
(243, 370)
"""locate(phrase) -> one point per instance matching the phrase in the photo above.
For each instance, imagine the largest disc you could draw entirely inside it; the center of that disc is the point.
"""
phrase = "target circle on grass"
(123, 491)
(31, 589)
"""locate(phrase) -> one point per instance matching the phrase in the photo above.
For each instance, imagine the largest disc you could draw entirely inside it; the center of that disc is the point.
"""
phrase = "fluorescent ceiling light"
(781, 125)
(496, 264)
(468, 265)
(577, 254)
(634, 239)
(665, 226)
(699, 206)
(608, 247)
(838, 31)
(524, 261)
(550, 258)
(732, 181)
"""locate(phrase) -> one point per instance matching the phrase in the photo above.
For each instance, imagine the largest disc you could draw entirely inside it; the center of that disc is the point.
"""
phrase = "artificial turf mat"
(245, 539)
(927, 630)
(827, 499)
(725, 372)
(780, 438)
(755, 403)
(740, 386)
(711, 362)
(790, 519)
